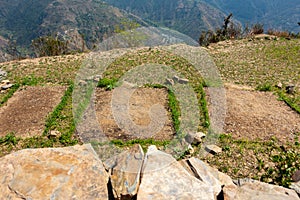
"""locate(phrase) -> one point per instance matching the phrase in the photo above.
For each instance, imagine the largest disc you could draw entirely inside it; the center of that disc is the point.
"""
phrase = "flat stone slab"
(61, 173)
(164, 178)
(252, 190)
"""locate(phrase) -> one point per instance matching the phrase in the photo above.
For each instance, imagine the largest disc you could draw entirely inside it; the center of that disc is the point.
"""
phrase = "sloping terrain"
(25, 113)
(91, 21)
(275, 14)
(254, 139)
(253, 114)
(188, 17)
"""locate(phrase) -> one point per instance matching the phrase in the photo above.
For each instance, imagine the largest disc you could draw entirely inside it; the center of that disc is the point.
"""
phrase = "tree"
(49, 46)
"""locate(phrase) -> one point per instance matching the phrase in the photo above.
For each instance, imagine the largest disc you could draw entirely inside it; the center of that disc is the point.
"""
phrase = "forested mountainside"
(274, 14)
(188, 17)
(22, 21)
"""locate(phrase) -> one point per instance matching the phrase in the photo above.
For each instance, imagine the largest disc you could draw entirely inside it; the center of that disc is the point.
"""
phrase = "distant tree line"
(230, 30)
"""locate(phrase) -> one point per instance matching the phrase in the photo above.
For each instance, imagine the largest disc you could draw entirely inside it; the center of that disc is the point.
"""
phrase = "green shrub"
(107, 83)
(264, 87)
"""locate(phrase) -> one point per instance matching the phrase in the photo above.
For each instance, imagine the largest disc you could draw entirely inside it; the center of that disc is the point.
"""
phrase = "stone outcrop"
(164, 178)
(3, 74)
(62, 173)
(252, 190)
(125, 170)
(77, 173)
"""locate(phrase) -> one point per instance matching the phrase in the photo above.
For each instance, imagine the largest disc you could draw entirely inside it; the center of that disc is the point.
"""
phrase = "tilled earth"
(26, 111)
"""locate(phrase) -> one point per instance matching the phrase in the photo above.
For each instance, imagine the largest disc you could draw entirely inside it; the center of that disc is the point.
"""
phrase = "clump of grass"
(107, 83)
(266, 87)
(289, 101)
(145, 143)
(9, 94)
(268, 161)
(175, 109)
(9, 139)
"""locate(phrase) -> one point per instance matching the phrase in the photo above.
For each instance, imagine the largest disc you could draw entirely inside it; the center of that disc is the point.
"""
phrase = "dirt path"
(253, 114)
(25, 113)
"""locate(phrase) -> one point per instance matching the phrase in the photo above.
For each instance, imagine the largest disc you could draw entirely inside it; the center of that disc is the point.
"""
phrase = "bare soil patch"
(140, 102)
(254, 114)
(26, 111)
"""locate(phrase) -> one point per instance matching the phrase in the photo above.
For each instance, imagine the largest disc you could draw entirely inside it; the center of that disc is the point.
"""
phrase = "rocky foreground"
(77, 173)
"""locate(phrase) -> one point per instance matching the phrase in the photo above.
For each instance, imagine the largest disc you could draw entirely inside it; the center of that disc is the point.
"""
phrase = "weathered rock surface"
(164, 178)
(252, 190)
(213, 149)
(296, 176)
(77, 173)
(125, 171)
(195, 138)
(296, 187)
(208, 175)
(5, 87)
(62, 173)
(3, 74)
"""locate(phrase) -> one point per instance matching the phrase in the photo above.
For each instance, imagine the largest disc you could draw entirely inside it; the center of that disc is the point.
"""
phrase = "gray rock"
(195, 138)
(3, 74)
(5, 87)
(54, 134)
(279, 85)
(175, 78)
(63, 173)
(208, 175)
(97, 78)
(213, 149)
(296, 176)
(290, 89)
(82, 83)
(252, 190)
(125, 171)
(296, 187)
(164, 178)
(180, 80)
(169, 81)
(183, 81)
(5, 82)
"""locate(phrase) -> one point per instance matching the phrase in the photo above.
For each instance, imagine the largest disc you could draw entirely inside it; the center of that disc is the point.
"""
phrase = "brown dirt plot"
(253, 114)
(139, 105)
(25, 113)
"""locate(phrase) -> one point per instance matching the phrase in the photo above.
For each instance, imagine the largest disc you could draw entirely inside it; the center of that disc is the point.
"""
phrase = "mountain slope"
(25, 20)
(188, 17)
(275, 14)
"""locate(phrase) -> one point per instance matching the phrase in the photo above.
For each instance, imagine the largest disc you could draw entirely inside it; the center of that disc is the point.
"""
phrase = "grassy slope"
(246, 62)
(261, 64)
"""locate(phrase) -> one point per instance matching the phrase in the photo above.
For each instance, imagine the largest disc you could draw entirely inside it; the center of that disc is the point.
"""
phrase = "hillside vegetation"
(258, 63)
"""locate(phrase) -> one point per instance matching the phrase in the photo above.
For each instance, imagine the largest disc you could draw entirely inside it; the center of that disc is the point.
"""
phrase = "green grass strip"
(288, 101)
(51, 120)
(9, 94)
(175, 109)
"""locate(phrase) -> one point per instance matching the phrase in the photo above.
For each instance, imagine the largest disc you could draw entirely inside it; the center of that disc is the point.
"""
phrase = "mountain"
(192, 16)
(92, 20)
(276, 14)
(187, 16)
(86, 23)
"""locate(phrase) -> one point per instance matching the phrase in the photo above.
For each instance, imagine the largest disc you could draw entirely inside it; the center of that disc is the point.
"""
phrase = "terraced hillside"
(255, 71)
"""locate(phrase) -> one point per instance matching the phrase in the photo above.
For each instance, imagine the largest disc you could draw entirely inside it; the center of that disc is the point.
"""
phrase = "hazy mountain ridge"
(188, 17)
(276, 14)
(21, 21)
(24, 20)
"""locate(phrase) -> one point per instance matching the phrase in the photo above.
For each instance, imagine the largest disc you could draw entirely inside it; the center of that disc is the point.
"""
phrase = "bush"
(257, 29)
(283, 34)
(49, 46)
